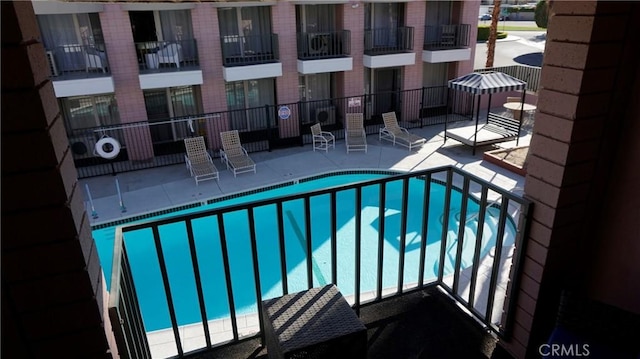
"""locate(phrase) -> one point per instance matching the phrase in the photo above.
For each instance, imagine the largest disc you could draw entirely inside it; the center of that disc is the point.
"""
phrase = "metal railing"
(240, 50)
(160, 143)
(154, 56)
(322, 45)
(443, 37)
(477, 256)
(529, 74)
(388, 40)
(78, 61)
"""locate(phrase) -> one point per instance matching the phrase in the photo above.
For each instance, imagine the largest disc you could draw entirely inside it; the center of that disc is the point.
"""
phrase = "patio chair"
(170, 54)
(398, 135)
(517, 114)
(322, 140)
(95, 59)
(198, 160)
(354, 134)
(233, 155)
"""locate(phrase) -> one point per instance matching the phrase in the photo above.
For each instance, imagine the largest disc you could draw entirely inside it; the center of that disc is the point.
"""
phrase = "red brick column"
(52, 283)
(580, 106)
(353, 20)
(466, 12)
(415, 15)
(123, 63)
(284, 25)
(207, 33)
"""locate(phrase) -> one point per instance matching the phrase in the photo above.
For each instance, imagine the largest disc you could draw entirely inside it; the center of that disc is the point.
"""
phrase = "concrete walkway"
(166, 187)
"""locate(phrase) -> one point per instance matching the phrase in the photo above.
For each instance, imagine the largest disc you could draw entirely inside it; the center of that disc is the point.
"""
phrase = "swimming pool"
(146, 272)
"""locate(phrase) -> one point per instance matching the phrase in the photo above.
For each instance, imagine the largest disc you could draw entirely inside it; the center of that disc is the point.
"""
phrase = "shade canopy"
(486, 83)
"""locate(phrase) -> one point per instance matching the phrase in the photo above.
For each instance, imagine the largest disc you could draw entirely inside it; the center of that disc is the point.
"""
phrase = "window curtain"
(68, 36)
(176, 27)
(320, 18)
(256, 27)
(384, 20)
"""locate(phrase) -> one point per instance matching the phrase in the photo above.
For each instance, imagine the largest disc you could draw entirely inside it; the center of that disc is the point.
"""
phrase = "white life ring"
(102, 152)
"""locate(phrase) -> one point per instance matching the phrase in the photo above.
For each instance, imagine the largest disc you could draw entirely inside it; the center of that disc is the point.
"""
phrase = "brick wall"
(353, 20)
(52, 286)
(283, 15)
(581, 107)
(207, 33)
(118, 38)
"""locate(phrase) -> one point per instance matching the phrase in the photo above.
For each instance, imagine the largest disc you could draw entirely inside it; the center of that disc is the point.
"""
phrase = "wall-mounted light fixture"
(355, 5)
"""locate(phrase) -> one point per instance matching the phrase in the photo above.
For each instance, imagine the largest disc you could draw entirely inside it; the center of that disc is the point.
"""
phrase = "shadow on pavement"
(531, 59)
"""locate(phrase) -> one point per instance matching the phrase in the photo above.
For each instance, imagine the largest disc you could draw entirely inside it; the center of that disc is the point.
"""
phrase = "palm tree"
(493, 33)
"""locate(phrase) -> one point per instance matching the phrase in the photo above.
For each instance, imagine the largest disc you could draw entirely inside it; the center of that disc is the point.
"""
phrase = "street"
(519, 48)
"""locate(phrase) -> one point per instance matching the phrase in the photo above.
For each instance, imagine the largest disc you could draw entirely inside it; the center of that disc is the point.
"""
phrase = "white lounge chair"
(233, 155)
(354, 135)
(398, 135)
(198, 160)
(322, 140)
(170, 54)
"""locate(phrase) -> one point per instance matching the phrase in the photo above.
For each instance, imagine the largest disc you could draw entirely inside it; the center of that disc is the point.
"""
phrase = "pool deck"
(150, 190)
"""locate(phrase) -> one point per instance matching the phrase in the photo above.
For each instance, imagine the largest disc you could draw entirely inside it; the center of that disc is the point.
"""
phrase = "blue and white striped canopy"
(489, 82)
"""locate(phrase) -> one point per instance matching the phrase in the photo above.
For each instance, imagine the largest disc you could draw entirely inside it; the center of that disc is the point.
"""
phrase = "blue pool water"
(145, 268)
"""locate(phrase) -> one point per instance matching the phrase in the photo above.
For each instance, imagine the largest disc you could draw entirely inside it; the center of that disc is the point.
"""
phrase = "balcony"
(78, 70)
(320, 52)
(168, 64)
(388, 47)
(477, 264)
(167, 56)
(250, 57)
(446, 43)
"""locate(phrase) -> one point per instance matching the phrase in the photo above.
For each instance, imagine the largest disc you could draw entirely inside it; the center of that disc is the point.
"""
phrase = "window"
(317, 91)
(246, 100)
(168, 108)
(69, 36)
(246, 30)
(89, 111)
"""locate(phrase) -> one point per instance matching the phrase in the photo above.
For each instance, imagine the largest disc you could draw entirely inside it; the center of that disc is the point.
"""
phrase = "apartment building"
(124, 63)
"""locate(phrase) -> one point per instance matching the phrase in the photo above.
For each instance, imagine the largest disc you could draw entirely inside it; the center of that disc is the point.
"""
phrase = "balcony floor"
(421, 324)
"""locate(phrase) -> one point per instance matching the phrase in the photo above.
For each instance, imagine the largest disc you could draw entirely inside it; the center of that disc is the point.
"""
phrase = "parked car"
(484, 17)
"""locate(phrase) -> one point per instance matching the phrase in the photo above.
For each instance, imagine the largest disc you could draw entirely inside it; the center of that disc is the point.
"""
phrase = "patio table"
(316, 323)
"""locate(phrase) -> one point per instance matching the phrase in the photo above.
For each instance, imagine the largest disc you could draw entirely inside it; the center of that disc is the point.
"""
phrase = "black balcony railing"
(249, 50)
(444, 37)
(528, 74)
(322, 45)
(160, 56)
(480, 228)
(160, 143)
(78, 61)
(388, 40)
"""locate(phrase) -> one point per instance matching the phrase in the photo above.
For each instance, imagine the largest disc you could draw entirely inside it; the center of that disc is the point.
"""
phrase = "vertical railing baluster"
(478, 245)
(445, 224)
(358, 245)
(283, 250)
(167, 288)
(334, 240)
(461, 228)
(425, 228)
(496, 259)
(198, 279)
(403, 233)
(227, 275)
(309, 245)
(256, 270)
(381, 218)
(523, 226)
